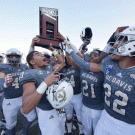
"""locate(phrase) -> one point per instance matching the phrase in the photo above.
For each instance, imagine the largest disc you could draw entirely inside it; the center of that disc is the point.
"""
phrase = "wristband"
(31, 49)
(42, 88)
(55, 53)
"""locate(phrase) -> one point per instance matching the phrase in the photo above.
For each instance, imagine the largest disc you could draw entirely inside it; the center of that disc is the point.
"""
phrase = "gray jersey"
(119, 86)
(74, 77)
(92, 89)
(38, 76)
(14, 90)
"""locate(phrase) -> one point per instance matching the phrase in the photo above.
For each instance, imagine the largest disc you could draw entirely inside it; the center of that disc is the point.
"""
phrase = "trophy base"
(46, 40)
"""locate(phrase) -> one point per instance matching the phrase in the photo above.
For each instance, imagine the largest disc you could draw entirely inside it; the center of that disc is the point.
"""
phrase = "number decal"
(92, 91)
(21, 76)
(121, 103)
(72, 81)
(15, 83)
(108, 93)
(116, 102)
(86, 87)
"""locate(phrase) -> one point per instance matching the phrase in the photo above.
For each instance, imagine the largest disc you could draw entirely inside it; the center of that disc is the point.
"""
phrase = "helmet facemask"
(126, 45)
(13, 61)
(13, 52)
(86, 35)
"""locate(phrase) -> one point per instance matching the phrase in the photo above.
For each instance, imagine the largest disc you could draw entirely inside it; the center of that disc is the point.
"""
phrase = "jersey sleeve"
(26, 77)
(25, 66)
(4, 68)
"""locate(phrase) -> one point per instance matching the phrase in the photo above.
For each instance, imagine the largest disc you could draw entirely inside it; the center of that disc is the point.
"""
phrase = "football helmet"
(86, 35)
(126, 42)
(13, 51)
(46, 54)
(60, 94)
(2, 58)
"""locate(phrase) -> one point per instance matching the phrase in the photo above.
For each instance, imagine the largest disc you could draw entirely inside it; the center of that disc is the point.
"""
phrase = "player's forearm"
(80, 62)
(60, 60)
(2, 85)
(86, 65)
(32, 96)
(30, 102)
(94, 67)
(72, 61)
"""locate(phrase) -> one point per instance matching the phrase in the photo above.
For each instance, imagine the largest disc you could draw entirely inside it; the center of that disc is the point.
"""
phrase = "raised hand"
(52, 78)
(8, 79)
(35, 40)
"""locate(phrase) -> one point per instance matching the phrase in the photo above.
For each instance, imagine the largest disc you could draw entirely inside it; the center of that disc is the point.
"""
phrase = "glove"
(66, 46)
(73, 47)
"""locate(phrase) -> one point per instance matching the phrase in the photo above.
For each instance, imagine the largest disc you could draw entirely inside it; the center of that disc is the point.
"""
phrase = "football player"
(1, 58)
(9, 84)
(47, 55)
(118, 116)
(2, 123)
(35, 83)
(92, 90)
(93, 100)
(107, 49)
(72, 72)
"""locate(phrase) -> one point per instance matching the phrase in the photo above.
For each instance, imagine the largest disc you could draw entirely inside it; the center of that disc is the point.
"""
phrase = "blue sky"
(19, 20)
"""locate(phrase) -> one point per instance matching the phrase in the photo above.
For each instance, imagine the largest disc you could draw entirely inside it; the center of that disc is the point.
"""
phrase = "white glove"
(72, 46)
(66, 47)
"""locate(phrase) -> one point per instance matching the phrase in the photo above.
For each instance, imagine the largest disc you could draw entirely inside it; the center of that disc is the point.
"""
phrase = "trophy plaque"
(48, 27)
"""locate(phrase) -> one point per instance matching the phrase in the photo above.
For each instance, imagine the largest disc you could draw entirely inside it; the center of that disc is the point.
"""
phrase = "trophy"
(48, 27)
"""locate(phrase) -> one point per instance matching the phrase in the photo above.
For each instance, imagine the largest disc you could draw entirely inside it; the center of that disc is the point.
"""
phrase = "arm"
(110, 42)
(85, 65)
(60, 60)
(120, 29)
(31, 95)
(63, 39)
(5, 81)
(60, 64)
(72, 61)
(102, 56)
(79, 61)
(2, 82)
(83, 49)
(34, 40)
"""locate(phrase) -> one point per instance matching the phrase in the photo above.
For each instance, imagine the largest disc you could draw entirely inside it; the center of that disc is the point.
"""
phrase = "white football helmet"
(13, 51)
(60, 94)
(2, 58)
(45, 53)
(86, 35)
(126, 42)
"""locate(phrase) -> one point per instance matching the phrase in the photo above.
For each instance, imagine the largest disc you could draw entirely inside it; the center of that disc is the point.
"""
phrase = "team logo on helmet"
(60, 95)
